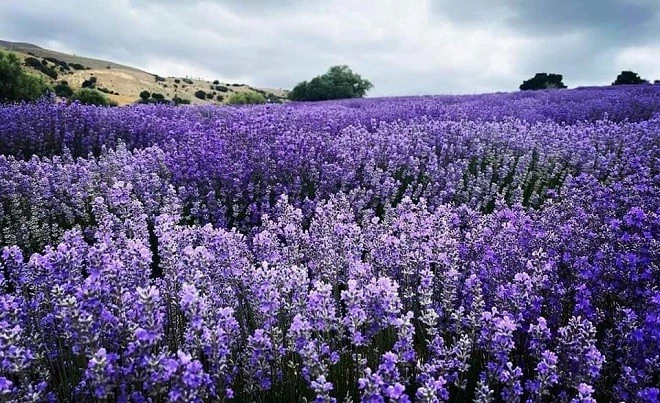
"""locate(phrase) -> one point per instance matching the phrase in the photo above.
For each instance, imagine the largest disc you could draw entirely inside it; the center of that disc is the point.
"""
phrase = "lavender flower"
(500, 246)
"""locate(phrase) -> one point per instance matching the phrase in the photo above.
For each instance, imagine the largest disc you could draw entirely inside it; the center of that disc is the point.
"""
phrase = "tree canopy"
(339, 82)
(542, 81)
(17, 85)
(628, 77)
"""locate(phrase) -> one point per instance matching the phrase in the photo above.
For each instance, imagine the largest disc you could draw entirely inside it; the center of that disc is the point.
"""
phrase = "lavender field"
(499, 247)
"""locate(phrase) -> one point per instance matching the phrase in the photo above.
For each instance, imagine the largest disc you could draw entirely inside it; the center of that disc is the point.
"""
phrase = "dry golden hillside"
(123, 84)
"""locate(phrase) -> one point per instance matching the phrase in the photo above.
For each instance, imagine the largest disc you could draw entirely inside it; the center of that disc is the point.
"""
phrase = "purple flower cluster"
(485, 248)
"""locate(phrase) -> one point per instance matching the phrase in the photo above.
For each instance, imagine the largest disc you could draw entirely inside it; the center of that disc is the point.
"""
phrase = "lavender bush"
(485, 248)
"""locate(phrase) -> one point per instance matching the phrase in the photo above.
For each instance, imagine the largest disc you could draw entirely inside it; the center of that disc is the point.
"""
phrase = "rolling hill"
(123, 84)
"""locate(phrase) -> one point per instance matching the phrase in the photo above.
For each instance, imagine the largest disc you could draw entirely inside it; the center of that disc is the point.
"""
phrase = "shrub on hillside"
(221, 88)
(63, 90)
(62, 64)
(50, 72)
(144, 95)
(17, 85)
(89, 96)
(180, 101)
(77, 66)
(32, 62)
(40, 66)
(245, 98)
(200, 94)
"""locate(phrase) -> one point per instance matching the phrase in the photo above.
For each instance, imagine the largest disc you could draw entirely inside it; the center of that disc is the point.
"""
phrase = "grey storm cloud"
(404, 47)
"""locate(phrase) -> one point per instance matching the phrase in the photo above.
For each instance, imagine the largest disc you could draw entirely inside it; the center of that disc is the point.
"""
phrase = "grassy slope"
(127, 81)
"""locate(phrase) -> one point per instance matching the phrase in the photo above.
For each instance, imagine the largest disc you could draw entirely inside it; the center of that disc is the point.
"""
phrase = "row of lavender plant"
(423, 304)
(376, 256)
(43, 197)
(47, 128)
(230, 180)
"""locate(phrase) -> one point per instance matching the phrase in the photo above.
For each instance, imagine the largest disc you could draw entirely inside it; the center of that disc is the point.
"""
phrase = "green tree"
(245, 98)
(299, 92)
(543, 81)
(339, 82)
(145, 95)
(88, 96)
(17, 85)
(628, 77)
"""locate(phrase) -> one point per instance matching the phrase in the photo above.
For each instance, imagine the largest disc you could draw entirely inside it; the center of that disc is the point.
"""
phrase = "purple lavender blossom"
(497, 247)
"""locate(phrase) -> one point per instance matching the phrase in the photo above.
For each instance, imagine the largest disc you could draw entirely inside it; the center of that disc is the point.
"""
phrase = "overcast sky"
(403, 46)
